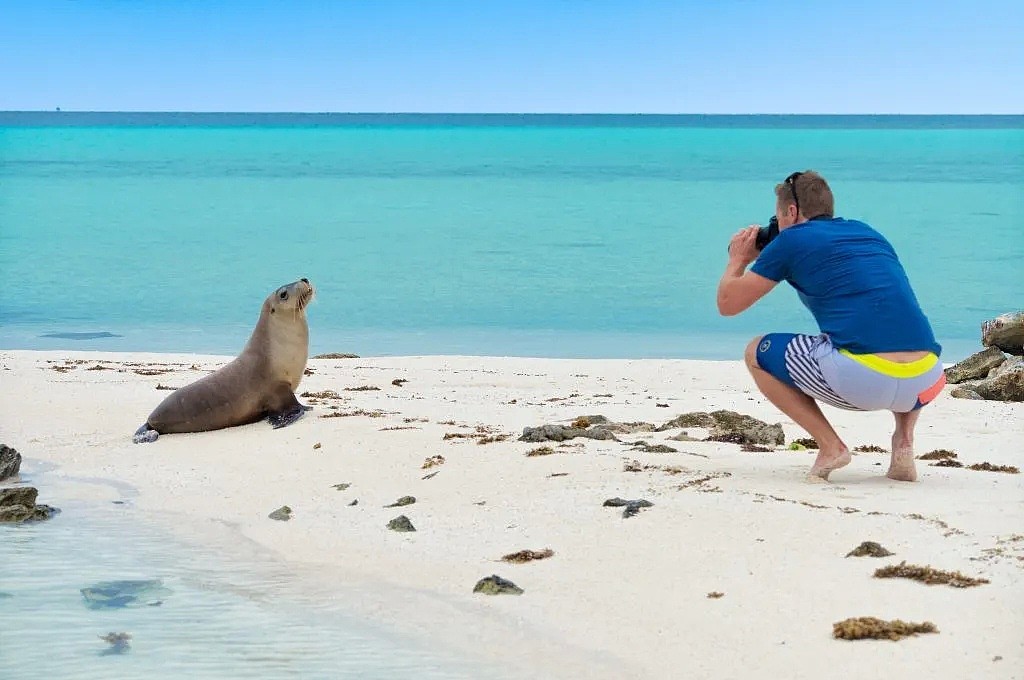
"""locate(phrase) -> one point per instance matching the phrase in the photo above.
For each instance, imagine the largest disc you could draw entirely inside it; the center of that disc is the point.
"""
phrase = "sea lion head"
(289, 300)
(281, 337)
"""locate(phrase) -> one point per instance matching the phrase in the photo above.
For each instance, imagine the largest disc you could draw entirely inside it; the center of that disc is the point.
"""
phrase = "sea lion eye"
(284, 295)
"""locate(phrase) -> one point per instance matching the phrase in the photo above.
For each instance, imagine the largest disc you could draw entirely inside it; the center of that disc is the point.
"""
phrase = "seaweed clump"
(929, 575)
(989, 467)
(938, 454)
(871, 628)
(432, 461)
(524, 556)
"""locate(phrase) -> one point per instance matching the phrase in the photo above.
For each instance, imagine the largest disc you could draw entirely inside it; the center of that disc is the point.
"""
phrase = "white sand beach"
(619, 597)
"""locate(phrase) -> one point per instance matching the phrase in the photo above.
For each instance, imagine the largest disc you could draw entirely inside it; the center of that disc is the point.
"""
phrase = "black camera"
(767, 234)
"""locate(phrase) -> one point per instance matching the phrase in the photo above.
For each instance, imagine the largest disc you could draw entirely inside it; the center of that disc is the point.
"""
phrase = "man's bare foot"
(901, 467)
(828, 461)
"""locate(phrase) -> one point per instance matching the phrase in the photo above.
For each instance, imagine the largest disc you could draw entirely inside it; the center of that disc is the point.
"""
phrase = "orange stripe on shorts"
(933, 391)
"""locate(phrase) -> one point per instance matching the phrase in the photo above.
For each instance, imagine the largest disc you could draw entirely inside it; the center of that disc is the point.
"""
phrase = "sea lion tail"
(145, 434)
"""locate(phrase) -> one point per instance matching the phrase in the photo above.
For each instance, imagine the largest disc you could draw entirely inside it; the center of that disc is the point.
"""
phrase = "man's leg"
(805, 412)
(901, 465)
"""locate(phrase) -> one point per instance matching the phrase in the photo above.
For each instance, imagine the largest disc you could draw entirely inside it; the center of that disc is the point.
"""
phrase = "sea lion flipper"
(287, 409)
(284, 418)
(145, 434)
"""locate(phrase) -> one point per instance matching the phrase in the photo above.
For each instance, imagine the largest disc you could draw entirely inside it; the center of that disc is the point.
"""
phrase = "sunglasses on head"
(791, 182)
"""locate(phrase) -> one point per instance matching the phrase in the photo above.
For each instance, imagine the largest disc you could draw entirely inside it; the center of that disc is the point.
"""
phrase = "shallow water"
(238, 614)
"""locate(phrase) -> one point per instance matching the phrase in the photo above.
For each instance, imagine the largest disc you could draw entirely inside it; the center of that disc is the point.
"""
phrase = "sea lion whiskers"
(304, 298)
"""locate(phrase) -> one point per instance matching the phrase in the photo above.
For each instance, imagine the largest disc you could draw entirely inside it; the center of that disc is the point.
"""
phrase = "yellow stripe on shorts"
(894, 369)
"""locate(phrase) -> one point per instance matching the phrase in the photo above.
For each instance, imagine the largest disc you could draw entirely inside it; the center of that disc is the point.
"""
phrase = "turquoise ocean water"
(579, 236)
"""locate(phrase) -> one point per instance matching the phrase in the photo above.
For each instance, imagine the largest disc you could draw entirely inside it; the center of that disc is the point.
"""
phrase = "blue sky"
(608, 56)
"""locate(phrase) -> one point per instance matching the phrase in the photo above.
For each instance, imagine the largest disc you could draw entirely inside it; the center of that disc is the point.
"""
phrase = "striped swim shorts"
(856, 382)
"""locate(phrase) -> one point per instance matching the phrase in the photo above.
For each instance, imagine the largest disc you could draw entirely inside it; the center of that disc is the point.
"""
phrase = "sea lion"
(259, 383)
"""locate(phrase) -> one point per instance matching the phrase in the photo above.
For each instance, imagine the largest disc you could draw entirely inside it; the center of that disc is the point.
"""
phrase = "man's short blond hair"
(813, 195)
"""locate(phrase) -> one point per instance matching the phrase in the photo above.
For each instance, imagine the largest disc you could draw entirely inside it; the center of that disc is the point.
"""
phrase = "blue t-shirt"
(849, 277)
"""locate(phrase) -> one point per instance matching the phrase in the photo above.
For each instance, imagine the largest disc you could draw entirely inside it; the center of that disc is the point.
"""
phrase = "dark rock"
(695, 419)
(653, 448)
(120, 594)
(629, 428)
(683, 437)
(729, 426)
(23, 513)
(964, 393)
(401, 523)
(43, 511)
(10, 462)
(631, 507)
(19, 495)
(1009, 366)
(496, 585)
(1006, 386)
(558, 433)
(634, 507)
(975, 366)
(282, 514)
(336, 355)
(18, 504)
(752, 430)
(869, 549)
(354, 502)
(727, 437)
(404, 500)
(1006, 332)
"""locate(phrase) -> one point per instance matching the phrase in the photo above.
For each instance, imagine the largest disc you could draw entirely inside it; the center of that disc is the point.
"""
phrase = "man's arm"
(738, 289)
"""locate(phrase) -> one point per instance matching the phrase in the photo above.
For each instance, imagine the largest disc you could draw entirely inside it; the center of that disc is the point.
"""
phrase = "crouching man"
(876, 349)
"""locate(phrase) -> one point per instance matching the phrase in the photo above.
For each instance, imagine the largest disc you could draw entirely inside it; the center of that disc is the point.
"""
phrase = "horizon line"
(482, 113)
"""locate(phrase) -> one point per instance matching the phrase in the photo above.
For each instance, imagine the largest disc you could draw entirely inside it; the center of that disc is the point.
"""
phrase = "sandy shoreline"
(620, 597)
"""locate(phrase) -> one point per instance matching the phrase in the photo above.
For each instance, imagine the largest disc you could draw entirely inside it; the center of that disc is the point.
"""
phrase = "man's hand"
(742, 248)
(738, 288)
